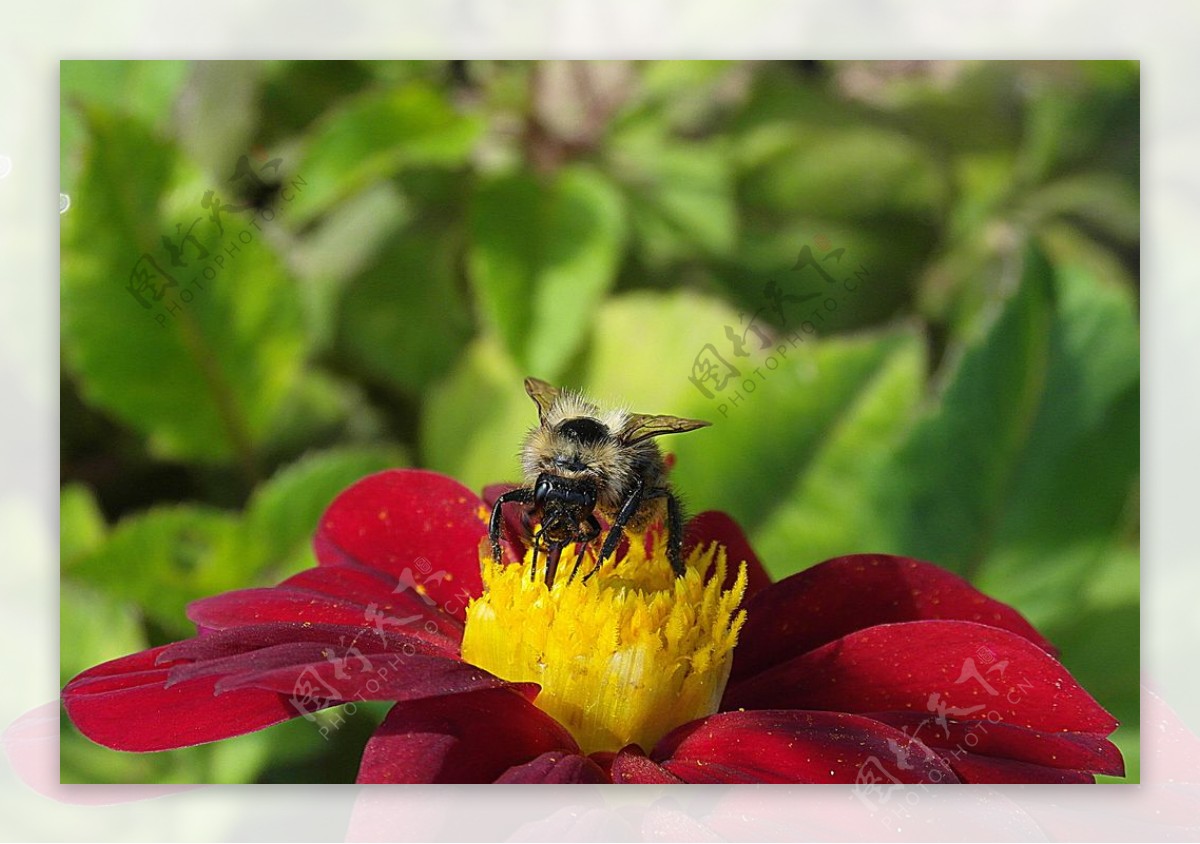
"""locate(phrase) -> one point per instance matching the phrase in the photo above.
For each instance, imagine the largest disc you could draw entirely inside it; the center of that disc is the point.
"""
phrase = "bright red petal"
(845, 594)
(125, 704)
(405, 613)
(555, 767)
(958, 668)
(988, 769)
(467, 738)
(371, 676)
(419, 526)
(715, 526)
(1009, 743)
(215, 644)
(789, 746)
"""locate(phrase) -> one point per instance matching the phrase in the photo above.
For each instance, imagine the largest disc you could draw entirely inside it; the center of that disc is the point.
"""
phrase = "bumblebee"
(581, 461)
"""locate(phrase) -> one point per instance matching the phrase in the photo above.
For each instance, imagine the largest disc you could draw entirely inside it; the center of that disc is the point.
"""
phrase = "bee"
(580, 461)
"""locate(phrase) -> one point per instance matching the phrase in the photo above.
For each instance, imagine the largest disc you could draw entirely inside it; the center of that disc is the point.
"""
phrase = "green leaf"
(282, 516)
(859, 171)
(680, 195)
(542, 255)
(874, 388)
(373, 136)
(165, 558)
(1106, 201)
(473, 422)
(1074, 482)
(953, 474)
(140, 89)
(1020, 471)
(94, 627)
(202, 371)
(404, 320)
(799, 414)
(81, 524)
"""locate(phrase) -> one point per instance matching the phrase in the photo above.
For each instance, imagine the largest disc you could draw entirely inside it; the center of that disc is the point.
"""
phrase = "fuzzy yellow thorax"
(621, 659)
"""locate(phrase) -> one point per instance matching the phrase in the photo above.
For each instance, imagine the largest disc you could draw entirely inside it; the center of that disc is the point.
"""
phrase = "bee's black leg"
(674, 528)
(583, 544)
(537, 544)
(497, 521)
(618, 526)
(675, 535)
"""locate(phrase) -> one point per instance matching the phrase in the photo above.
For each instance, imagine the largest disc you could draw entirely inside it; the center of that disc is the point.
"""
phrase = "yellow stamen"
(622, 659)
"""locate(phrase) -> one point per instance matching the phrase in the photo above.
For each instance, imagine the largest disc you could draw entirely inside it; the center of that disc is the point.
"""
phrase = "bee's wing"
(643, 426)
(542, 393)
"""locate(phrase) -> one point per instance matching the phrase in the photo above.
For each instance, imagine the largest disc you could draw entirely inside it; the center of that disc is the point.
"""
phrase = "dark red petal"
(923, 665)
(715, 526)
(790, 746)
(368, 677)
(418, 526)
(989, 769)
(361, 585)
(1075, 751)
(633, 766)
(555, 767)
(467, 738)
(215, 644)
(125, 704)
(406, 613)
(836, 597)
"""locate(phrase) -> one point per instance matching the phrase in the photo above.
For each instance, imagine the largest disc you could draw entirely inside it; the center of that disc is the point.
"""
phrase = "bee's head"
(575, 447)
(578, 441)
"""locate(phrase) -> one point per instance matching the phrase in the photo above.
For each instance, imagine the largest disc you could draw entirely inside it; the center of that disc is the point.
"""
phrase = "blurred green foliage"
(415, 237)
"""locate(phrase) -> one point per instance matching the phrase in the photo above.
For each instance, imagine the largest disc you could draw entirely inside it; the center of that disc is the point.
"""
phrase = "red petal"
(215, 644)
(370, 676)
(789, 746)
(467, 738)
(923, 665)
(361, 585)
(989, 769)
(845, 594)
(125, 704)
(715, 526)
(419, 526)
(1007, 742)
(555, 767)
(406, 613)
(632, 766)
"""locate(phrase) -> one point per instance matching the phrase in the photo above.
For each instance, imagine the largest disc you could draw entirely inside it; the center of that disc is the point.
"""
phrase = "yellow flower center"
(622, 659)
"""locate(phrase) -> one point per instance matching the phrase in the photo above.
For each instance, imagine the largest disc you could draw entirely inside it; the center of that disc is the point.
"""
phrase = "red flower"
(868, 668)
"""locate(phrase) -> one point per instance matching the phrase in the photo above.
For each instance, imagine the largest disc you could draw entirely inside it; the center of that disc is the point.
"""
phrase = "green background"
(439, 230)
